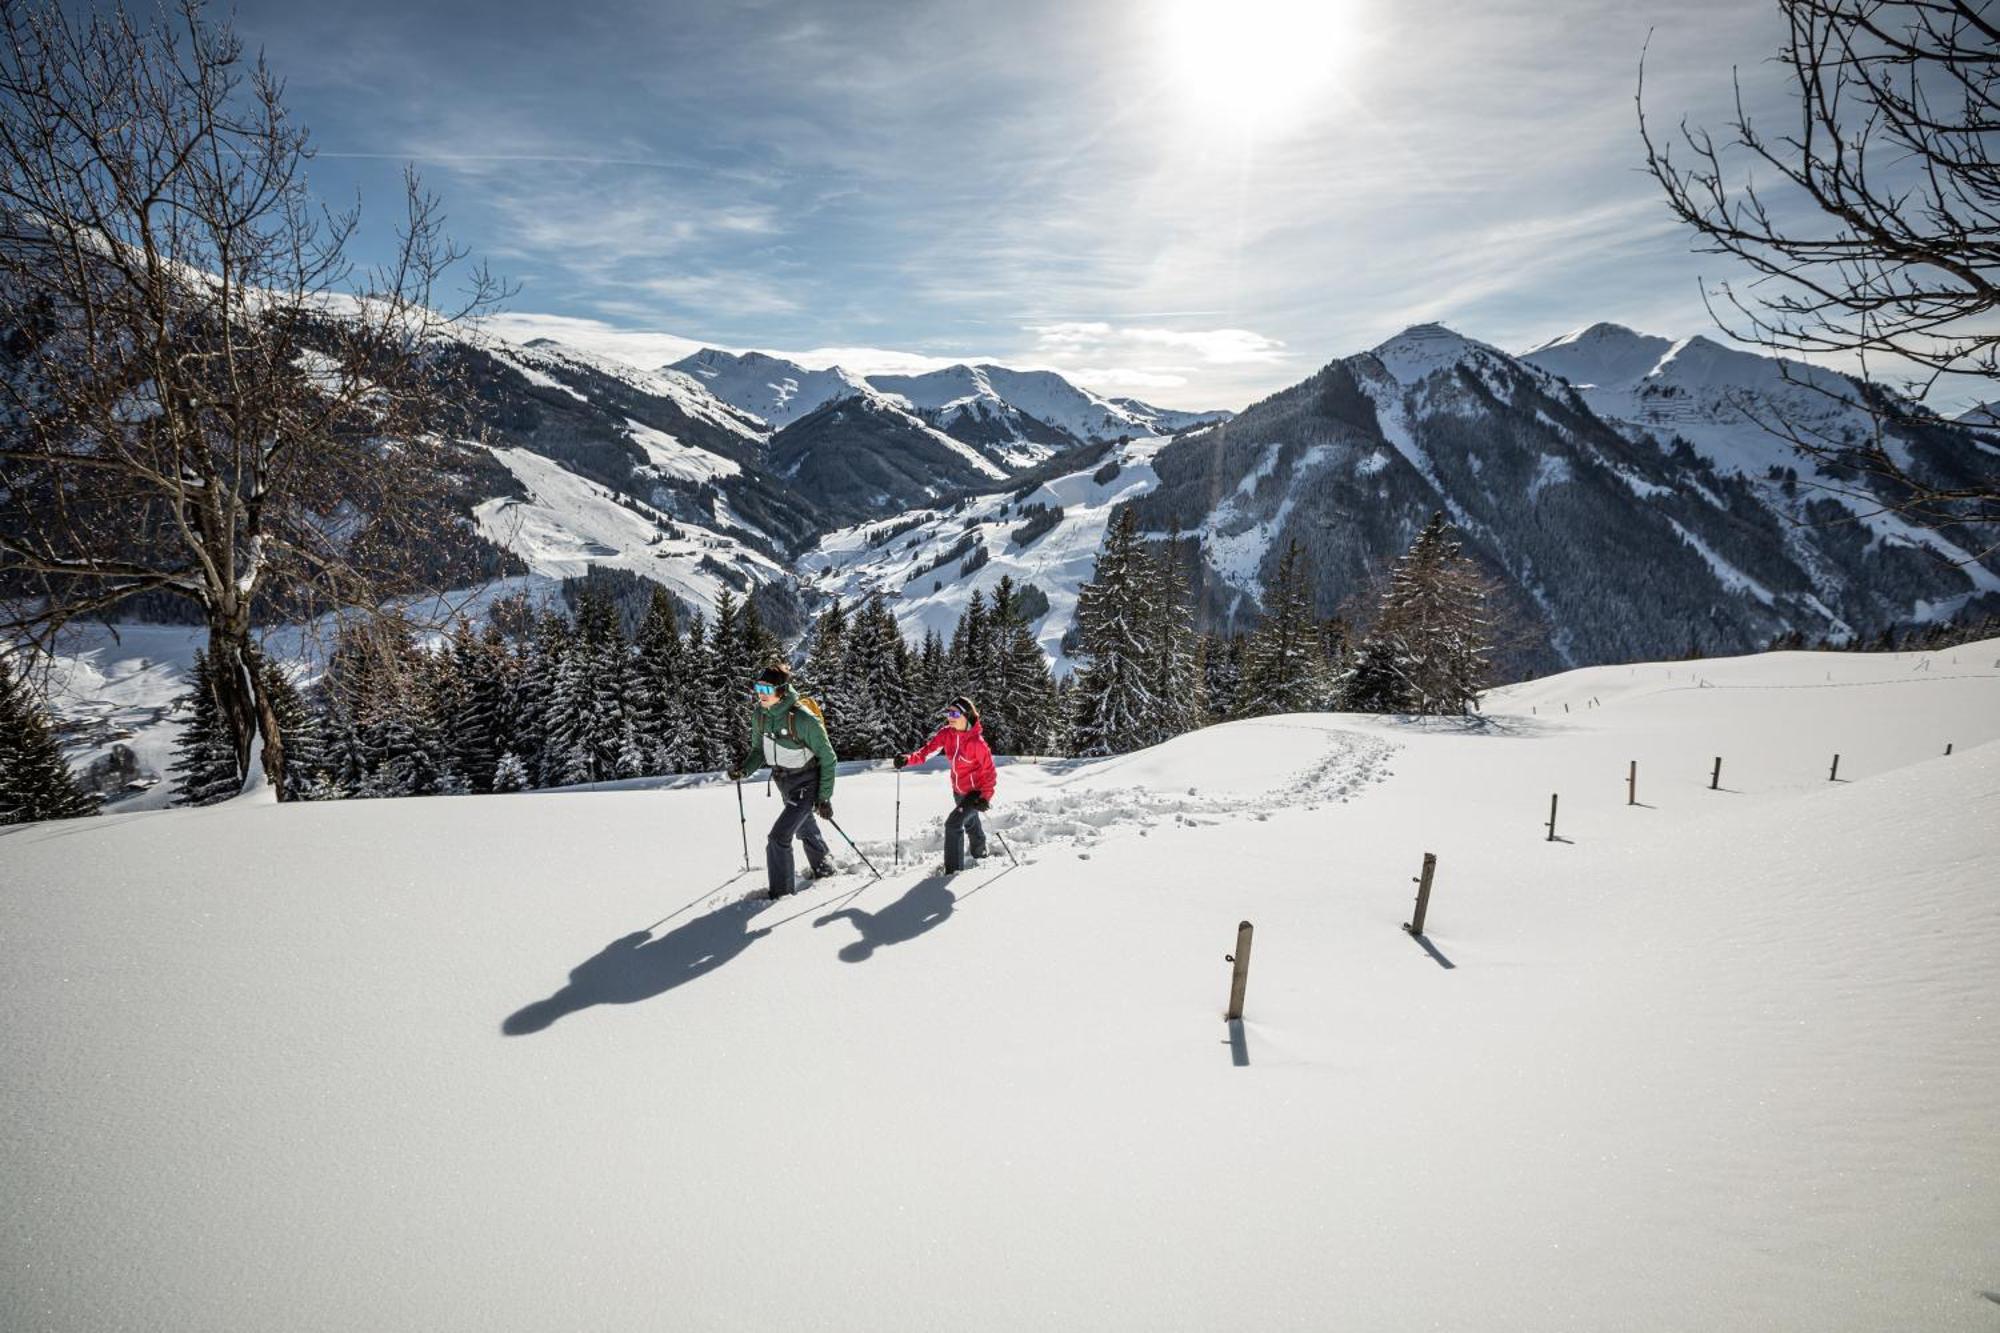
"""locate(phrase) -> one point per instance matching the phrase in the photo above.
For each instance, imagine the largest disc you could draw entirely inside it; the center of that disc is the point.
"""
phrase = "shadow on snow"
(638, 966)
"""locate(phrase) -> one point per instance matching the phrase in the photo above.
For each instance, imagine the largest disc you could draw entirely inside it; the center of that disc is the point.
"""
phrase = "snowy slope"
(568, 523)
(1725, 1060)
(1721, 400)
(775, 390)
(849, 563)
(545, 357)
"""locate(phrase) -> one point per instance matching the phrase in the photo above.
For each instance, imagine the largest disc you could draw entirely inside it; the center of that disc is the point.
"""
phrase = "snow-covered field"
(1726, 1060)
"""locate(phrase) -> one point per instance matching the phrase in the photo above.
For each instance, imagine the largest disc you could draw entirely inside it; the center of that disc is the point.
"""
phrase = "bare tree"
(200, 395)
(1875, 235)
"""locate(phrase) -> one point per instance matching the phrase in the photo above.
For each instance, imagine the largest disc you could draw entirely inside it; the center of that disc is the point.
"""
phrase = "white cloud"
(645, 348)
(1126, 377)
(1216, 347)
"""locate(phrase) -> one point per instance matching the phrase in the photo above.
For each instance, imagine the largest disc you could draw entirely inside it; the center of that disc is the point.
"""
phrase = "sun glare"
(1262, 65)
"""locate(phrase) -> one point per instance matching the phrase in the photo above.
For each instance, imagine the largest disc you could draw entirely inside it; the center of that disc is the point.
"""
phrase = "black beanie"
(775, 673)
(963, 703)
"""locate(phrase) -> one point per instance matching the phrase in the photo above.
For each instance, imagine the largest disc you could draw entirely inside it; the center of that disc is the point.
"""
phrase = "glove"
(972, 800)
(902, 761)
(824, 809)
(736, 775)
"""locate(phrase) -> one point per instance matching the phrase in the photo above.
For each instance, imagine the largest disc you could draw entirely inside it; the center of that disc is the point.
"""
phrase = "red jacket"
(971, 759)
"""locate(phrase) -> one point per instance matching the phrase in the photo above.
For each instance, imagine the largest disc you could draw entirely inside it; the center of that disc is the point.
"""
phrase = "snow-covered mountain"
(1044, 534)
(1018, 418)
(1665, 520)
(1714, 397)
(1042, 396)
(865, 455)
(989, 391)
(776, 391)
(535, 1061)
(615, 466)
(1610, 538)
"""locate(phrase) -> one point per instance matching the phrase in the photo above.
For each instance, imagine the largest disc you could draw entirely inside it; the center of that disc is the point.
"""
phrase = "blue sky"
(1194, 203)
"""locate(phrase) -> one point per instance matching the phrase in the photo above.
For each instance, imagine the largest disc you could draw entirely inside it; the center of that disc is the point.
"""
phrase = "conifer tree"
(714, 739)
(879, 666)
(204, 766)
(1174, 646)
(661, 731)
(1222, 674)
(35, 780)
(594, 740)
(730, 671)
(971, 656)
(1284, 668)
(1432, 632)
(759, 644)
(480, 726)
(828, 679)
(1117, 704)
(299, 725)
(1022, 692)
(509, 773)
(1373, 681)
(929, 687)
(536, 706)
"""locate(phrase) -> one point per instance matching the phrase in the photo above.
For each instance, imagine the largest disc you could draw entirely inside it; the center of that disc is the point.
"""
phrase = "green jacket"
(787, 735)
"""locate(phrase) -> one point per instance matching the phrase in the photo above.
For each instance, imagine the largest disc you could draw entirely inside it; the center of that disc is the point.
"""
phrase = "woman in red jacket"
(972, 779)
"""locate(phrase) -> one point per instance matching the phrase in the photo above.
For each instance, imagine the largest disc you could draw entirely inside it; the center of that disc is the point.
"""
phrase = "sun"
(1261, 65)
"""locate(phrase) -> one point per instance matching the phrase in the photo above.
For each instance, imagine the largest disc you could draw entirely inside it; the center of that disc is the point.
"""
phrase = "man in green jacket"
(787, 734)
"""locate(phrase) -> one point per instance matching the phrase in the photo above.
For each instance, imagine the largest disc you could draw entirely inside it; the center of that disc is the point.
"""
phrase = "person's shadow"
(637, 967)
(925, 907)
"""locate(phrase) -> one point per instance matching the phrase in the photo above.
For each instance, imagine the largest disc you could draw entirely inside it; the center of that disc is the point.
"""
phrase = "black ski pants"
(960, 822)
(799, 789)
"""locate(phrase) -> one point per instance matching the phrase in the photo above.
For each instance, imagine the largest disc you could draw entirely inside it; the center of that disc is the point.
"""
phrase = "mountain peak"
(1424, 348)
(1600, 354)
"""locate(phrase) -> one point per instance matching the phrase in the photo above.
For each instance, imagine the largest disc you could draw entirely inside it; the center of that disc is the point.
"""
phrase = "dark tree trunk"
(237, 672)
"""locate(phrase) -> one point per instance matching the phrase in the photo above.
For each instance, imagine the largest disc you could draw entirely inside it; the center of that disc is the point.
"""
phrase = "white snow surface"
(1059, 562)
(670, 458)
(569, 523)
(1723, 1060)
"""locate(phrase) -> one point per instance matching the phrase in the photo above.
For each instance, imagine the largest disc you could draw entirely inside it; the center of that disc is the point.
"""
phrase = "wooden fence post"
(1240, 977)
(1715, 778)
(1833, 774)
(1415, 925)
(1632, 784)
(1552, 816)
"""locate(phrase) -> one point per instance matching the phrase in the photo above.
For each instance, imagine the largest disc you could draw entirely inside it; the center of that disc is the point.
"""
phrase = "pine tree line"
(1146, 676)
(564, 700)
(882, 696)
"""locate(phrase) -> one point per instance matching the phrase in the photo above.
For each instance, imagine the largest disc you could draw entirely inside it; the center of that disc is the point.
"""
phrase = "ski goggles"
(953, 712)
(764, 689)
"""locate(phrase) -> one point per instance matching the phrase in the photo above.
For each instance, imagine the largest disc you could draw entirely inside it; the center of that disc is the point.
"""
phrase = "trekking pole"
(898, 862)
(857, 851)
(1004, 847)
(743, 820)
